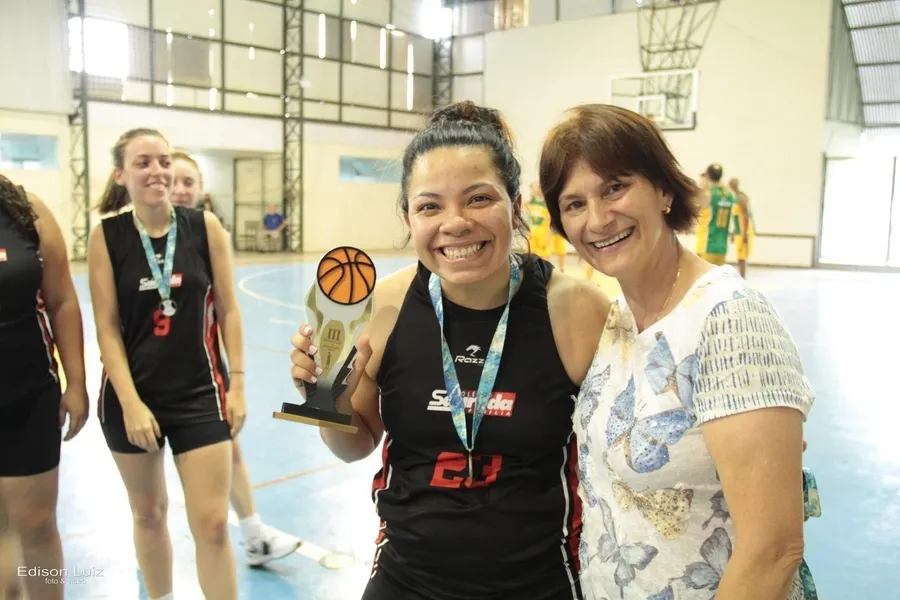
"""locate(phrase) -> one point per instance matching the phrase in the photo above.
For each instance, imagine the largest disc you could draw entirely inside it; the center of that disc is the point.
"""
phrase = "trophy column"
(338, 305)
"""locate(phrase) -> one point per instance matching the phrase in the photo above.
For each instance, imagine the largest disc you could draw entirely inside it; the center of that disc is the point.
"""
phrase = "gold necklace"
(659, 314)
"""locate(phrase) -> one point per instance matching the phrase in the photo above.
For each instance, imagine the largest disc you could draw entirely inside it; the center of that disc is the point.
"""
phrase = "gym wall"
(762, 99)
(34, 100)
(335, 211)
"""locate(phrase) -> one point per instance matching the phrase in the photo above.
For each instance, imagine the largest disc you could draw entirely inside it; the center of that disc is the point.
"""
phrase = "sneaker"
(272, 544)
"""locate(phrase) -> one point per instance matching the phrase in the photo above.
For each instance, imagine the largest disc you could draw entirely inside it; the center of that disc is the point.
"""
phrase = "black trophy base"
(299, 413)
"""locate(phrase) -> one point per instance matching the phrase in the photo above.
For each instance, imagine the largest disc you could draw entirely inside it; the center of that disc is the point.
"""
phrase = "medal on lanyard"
(489, 372)
(163, 279)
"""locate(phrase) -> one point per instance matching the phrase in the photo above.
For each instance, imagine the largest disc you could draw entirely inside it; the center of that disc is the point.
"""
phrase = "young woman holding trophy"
(477, 493)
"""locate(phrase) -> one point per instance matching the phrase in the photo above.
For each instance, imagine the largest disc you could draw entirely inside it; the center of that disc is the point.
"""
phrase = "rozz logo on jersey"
(472, 358)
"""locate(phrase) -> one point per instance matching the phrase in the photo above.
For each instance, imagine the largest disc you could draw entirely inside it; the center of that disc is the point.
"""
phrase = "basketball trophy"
(338, 304)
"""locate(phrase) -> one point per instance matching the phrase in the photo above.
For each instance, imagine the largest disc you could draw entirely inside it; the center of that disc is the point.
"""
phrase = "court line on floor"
(307, 549)
(242, 286)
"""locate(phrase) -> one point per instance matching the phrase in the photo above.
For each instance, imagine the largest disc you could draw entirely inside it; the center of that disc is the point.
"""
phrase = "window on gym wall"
(860, 212)
(28, 152)
(105, 48)
(359, 169)
(364, 61)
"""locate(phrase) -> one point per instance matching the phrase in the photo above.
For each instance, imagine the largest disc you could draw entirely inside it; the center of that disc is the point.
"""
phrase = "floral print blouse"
(656, 526)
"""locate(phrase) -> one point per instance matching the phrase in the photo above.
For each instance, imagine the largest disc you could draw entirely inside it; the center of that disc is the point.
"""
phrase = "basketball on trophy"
(338, 303)
(346, 275)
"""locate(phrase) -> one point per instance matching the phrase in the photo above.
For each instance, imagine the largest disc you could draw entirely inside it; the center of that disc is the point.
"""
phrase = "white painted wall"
(761, 104)
(191, 130)
(341, 212)
(34, 56)
(54, 187)
(336, 212)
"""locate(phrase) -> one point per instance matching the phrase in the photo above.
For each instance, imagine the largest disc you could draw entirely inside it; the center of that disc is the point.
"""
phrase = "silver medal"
(168, 307)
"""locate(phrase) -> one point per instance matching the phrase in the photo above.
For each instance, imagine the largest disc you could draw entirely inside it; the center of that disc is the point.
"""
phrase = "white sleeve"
(747, 360)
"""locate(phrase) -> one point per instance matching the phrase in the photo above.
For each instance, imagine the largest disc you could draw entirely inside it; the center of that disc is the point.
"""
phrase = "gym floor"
(301, 488)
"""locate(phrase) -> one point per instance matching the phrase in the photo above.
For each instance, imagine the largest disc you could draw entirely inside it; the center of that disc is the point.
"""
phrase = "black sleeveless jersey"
(27, 360)
(513, 533)
(175, 362)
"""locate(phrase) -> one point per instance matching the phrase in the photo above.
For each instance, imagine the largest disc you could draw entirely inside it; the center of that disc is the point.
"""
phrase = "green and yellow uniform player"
(544, 241)
(744, 227)
(539, 221)
(714, 223)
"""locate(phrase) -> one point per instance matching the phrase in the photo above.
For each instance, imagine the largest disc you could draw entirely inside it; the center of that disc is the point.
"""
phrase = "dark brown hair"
(15, 203)
(467, 124)
(615, 142)
(115, 196)
(714, 172)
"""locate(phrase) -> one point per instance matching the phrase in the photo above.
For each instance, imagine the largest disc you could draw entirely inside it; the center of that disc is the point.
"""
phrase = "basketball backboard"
(667, 97)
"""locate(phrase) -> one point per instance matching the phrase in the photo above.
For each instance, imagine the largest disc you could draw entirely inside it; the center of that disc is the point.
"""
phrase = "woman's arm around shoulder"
(578, 310)
(751, 399)
(363, 402)
(58, 292)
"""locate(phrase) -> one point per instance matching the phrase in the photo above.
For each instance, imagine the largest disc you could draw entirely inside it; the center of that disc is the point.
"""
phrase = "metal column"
(292, 157)
(78, 148)
(442, 82)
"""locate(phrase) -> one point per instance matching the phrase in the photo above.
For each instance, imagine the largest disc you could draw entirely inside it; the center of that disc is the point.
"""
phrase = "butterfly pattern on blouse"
(668, 510)
(645, 441)
(706, 575)
(618, 332)
(587, 403)
(664, 375)
(716, 552)
(628, 558)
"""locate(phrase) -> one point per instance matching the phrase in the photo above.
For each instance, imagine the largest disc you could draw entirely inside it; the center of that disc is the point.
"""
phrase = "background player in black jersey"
(164, 377)
(508, 527)
(262, 542)
(38, 311)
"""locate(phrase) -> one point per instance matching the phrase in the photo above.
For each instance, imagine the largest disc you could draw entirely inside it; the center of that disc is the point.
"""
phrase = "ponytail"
(114, 198)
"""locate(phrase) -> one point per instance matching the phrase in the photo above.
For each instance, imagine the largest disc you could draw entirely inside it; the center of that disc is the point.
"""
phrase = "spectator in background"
(274, 223)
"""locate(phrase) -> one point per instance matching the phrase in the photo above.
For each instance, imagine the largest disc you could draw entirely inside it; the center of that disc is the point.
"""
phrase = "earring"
(668, 210)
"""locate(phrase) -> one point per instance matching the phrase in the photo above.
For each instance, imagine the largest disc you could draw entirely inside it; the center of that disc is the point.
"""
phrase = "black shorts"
(183, 437)
(383, 587)
(30, 435)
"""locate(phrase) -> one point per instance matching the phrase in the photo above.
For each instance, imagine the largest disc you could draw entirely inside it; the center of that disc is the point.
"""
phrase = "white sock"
(169, 596)
(251, 527)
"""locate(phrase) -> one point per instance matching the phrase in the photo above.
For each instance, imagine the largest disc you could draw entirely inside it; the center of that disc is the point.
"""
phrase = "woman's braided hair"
(14, 202)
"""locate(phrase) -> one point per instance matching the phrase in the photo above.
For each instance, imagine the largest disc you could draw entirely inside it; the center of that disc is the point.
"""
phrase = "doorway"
(861, 212)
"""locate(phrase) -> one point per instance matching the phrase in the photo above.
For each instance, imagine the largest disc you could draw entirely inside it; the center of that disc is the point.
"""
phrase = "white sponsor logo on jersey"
(148, 283)
(501, 404)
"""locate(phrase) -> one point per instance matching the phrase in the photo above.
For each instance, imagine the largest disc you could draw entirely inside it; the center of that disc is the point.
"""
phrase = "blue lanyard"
(491, 363)
(163, 279)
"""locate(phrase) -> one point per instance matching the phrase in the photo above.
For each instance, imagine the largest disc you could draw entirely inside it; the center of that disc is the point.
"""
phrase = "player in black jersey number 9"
(162, 283)
(497, 518)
